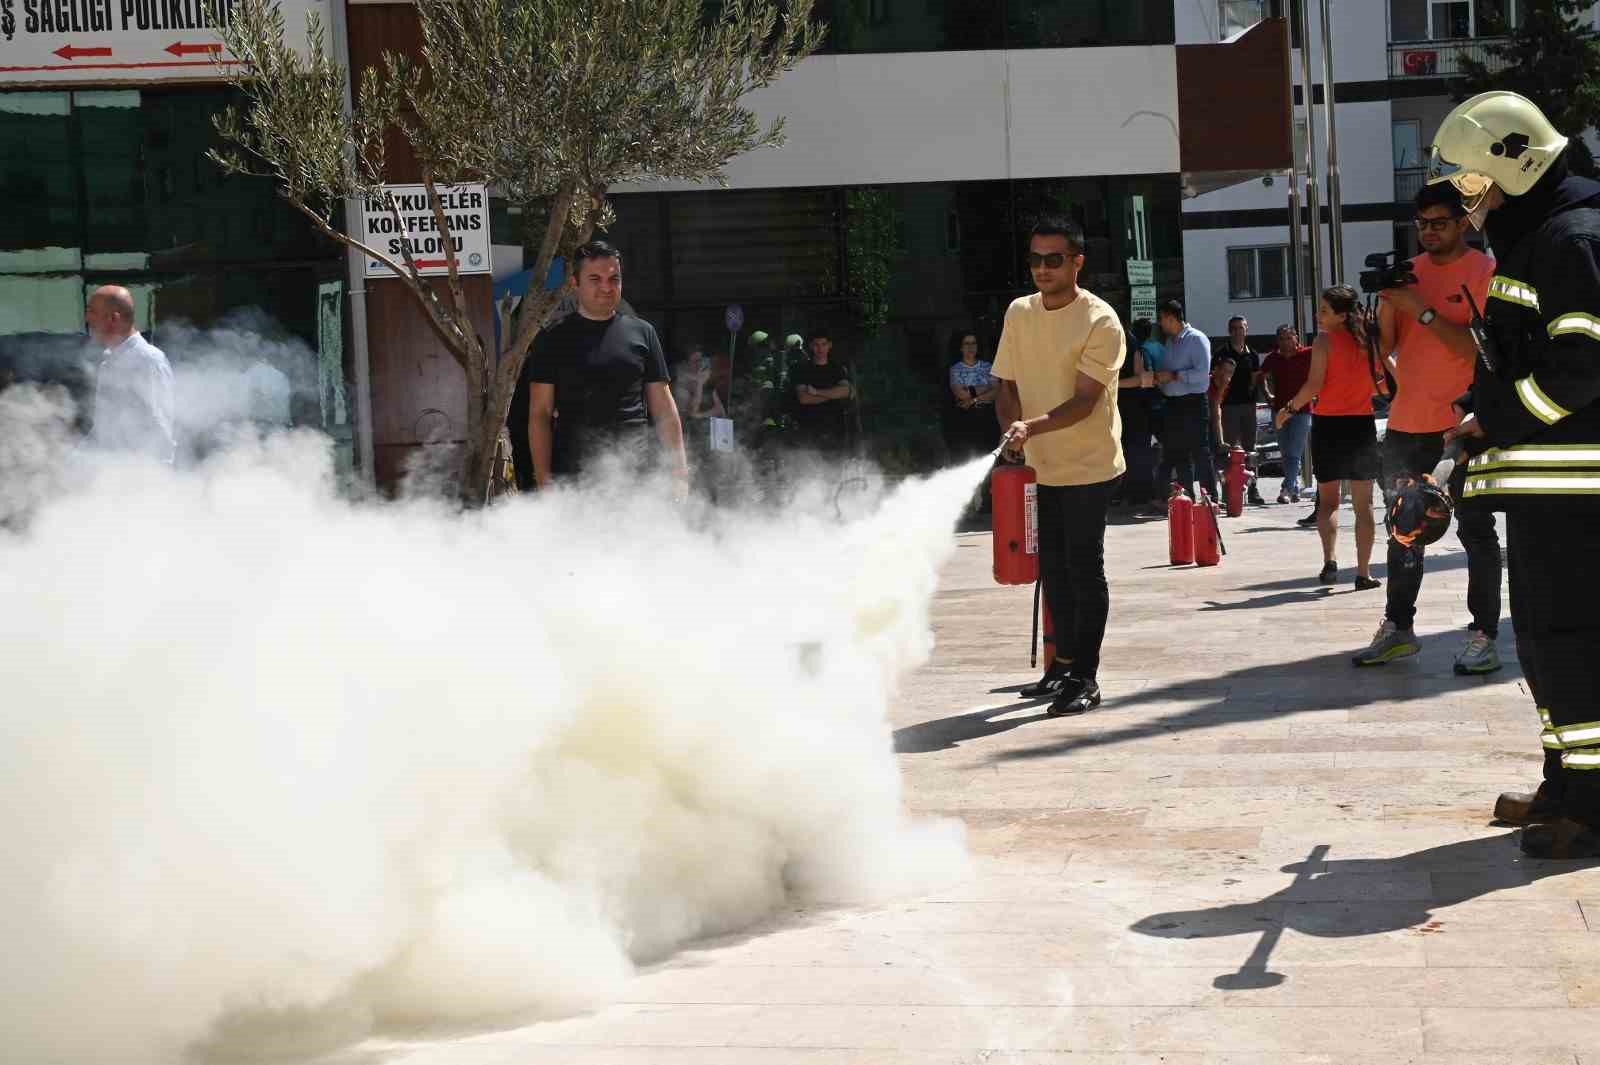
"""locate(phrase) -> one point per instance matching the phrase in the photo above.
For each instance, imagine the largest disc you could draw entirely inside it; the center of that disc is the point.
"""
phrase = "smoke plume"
(280, 768)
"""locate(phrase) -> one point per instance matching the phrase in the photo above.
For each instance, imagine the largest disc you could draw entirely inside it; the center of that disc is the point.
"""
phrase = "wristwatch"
(1427, 316)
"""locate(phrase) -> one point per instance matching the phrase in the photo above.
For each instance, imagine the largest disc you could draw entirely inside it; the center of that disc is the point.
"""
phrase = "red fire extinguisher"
(1180, 526)
(1207, 532)
(1015, 494)
(1237, 477)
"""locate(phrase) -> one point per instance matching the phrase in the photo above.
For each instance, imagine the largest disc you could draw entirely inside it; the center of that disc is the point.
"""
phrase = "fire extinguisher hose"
(1033, 645)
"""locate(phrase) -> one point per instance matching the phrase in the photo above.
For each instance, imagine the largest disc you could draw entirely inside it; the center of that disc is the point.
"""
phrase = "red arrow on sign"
(423, 264)
(68, 51)
(178, 48)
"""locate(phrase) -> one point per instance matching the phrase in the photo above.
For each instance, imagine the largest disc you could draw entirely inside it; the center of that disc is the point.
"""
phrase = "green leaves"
(871, 244)
(1553, 58)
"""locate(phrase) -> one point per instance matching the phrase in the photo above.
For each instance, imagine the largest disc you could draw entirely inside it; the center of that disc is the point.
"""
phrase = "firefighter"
(1531, 425)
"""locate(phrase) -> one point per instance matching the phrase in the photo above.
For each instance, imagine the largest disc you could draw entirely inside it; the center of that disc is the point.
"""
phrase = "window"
(1261, 273)
(118, 191)
(1235, 16)
(1450, 19)
(1407, 137)
(963, 25)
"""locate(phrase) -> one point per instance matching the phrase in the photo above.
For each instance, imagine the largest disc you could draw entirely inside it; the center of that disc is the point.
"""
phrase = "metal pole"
(356, 278)
(1296, 255)
(1313, 202)
(1297, 282)
(1335, 206)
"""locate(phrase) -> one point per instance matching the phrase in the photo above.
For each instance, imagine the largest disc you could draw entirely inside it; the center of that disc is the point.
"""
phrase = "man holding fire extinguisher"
(1059, 355)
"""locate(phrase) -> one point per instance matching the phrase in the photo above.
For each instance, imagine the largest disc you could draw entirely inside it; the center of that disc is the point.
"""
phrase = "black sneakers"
(1047, 685)
(1076, 696)
(1329, 574)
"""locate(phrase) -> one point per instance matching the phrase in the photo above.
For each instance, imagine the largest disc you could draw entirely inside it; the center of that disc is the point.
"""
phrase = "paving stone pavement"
(1252, 854)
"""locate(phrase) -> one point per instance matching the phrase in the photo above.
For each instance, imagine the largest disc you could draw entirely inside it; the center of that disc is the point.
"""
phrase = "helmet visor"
(1473, 186)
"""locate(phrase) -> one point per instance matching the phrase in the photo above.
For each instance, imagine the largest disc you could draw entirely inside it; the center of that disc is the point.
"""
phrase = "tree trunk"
(478, 463)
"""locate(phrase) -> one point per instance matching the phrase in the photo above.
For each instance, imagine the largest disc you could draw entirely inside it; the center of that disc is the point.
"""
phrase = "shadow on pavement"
(1347, 572)
(947, 733)
(1317, 904)
(1262, 602)
(1324, 682)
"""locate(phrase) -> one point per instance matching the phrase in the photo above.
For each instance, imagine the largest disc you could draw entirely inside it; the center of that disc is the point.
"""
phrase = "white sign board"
(1141, 272)
(721, 434)
(411, 221)
(1144, 302)
(81, 41)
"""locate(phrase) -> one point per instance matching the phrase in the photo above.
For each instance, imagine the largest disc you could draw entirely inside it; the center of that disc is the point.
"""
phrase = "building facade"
(923, 141)
(921, 145)
(1396, 64)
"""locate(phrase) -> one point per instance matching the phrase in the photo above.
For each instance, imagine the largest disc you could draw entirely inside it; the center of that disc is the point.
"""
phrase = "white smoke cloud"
(279, 768)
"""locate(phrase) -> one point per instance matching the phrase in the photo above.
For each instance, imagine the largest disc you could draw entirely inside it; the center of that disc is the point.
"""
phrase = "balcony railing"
(1407, 182)
(1440, 59)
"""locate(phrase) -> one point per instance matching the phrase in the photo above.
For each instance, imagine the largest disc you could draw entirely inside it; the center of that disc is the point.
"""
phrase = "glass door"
(1407, 136)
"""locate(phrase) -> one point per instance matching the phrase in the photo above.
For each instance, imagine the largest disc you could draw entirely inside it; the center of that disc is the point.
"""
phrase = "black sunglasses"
(1053, 260)
(1438, 225)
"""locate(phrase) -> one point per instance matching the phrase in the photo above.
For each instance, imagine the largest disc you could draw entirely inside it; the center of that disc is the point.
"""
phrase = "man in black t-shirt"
(822, 392)
(1238, 374)
(593, 383)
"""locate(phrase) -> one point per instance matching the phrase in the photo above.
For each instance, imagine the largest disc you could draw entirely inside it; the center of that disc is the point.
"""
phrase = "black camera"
(1386, 270)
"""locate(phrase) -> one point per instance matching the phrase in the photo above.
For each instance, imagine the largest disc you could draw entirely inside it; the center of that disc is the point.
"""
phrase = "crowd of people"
(1492, 362)
(1182, 405)
(1510, 393)
(597, 385)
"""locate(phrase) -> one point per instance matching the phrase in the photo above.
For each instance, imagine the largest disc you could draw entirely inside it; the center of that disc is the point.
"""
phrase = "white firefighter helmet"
(1494, 139)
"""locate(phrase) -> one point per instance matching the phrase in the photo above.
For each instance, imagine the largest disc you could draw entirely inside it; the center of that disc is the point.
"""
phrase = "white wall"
(943, 116)
(1205, 271)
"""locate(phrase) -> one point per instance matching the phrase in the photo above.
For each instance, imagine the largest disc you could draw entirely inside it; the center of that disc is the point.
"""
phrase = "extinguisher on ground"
(1208, 546)
(1235, 481)
(1180, 526)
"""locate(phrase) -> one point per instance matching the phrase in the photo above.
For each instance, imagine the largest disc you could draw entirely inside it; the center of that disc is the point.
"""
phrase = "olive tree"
(549, 102)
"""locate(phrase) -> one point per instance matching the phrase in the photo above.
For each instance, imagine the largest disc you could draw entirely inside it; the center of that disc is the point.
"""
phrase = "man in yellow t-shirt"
(1057, 364)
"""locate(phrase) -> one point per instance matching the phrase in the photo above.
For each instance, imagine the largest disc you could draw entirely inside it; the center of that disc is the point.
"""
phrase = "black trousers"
(1239, 427)
(1555, 583)
(1413, 454)
(1185, 425)
(1072, 564)
(1138, 448)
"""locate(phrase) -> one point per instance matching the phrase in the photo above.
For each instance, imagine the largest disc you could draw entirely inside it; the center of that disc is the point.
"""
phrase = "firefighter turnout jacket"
(1537, 406)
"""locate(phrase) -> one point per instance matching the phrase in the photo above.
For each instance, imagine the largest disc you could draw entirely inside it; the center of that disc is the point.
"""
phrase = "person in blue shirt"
(1184, 376)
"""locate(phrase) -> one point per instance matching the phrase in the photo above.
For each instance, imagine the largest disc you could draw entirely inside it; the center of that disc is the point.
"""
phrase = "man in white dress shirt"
(133, 406)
